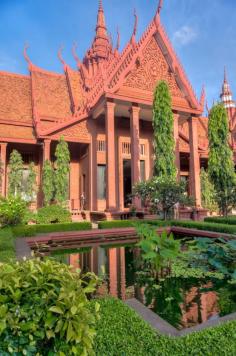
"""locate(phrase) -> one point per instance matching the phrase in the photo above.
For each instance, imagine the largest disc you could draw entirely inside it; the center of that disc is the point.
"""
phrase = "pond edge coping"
(164, 328)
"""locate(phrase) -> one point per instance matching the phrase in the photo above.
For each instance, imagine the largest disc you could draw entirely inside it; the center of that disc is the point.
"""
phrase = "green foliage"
(7, 245)
(227, 229)
(1, 175)
(220, 164)
(217, 255)
(31, 187)
(163, 125)
(62, 171)
(15, 173)
(121, 332)
(44, 308)
(32, 230)
(12, 210)
(230, 220)
(129, 223)
(208, 193)
(48, 182)
(157, 251)
(53, 214)
(163, 193)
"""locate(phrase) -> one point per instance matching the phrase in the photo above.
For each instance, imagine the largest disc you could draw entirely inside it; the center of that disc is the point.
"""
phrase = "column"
(3, 158)
(110, 157)
(93, 166)
(112, 257)
(176, 137)
(135, 150)
(46, 150)
(195, 185)
(122, 273)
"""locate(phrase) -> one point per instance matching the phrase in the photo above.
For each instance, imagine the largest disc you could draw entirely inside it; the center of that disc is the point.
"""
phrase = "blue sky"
(202, 32)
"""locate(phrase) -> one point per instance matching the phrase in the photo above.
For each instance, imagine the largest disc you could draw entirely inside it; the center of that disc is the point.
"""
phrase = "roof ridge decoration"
(133, 37)
(109, 74)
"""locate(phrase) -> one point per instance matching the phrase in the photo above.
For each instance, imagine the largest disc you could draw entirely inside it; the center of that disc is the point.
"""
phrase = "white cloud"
(184, 36)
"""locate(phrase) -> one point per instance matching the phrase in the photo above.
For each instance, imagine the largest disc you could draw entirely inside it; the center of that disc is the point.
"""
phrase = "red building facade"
(104, 111)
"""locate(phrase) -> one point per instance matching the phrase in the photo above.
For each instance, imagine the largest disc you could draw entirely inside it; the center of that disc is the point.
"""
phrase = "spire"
(203, 96)
(226, 94)
(133, 37)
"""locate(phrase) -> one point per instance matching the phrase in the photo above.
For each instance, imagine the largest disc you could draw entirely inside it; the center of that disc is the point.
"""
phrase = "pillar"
(122, 273)
(135, 150)
(3, 156)
(46, 150)
(195, 185)
(74, 185)
(176, 137)
(93, 166)
(112, 257)
(110, 157)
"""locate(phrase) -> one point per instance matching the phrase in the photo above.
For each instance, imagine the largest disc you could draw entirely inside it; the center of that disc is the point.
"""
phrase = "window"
(101, 146)
(126, 148)
(142, 150)
(142, 171)
(101, 182)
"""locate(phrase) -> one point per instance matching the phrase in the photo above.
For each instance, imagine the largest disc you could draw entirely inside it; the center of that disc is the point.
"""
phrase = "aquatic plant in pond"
(157, 251)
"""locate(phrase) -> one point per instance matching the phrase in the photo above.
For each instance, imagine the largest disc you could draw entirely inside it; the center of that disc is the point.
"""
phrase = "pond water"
(183, 302)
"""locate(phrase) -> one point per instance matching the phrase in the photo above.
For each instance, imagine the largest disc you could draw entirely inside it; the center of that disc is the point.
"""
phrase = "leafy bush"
(32, 230)
(120, 331)
(7, 244)
(12, 210)
(53, 214)
(44, 308)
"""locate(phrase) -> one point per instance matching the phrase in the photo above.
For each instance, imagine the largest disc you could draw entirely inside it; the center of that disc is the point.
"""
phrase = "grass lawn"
(121, 332)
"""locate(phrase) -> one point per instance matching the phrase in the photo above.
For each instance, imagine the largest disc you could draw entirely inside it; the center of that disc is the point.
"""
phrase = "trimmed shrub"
(44, 309)
(7, 245)
(121, 331)
(230, 220)
(130, 223)
(32, 230)
(53, 214)
(227, 229)
(12, 210)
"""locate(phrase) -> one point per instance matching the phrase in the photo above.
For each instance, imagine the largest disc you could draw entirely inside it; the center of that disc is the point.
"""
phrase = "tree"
(48, 182)
(31, 187)
(163, 194)
(220, 164)
(1, 175)
(208, 193)
(163, 125)
(62, 171)
(15, 173)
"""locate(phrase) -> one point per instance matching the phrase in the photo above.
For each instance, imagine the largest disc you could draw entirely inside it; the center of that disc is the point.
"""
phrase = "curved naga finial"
(75, 55)
(203, 96)
(26, 54)
(133, 39)
(118, 39)
(59, 54)
(159, 6)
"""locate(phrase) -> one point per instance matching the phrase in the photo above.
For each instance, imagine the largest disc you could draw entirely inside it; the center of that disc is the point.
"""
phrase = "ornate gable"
(78, 132)
(150, 68)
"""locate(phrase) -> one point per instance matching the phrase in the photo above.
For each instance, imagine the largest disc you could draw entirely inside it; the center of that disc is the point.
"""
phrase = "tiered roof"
(52, 102)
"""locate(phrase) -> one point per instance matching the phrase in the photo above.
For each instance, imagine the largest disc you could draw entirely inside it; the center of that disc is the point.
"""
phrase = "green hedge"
(227, 229)
(121, 332)
(32, 230)
(7, 244)
(230, 220)
(130, 223)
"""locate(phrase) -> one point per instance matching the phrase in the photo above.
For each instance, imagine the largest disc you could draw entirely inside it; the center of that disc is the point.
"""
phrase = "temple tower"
(226, 94)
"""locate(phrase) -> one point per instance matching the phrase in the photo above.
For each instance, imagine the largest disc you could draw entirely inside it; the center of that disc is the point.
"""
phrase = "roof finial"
(100, 7)
(225, 75)
(203, 96)
(26, 54)
(76, 57)
(159, 6)
(59, 54)
(118, 39)
(133, 40)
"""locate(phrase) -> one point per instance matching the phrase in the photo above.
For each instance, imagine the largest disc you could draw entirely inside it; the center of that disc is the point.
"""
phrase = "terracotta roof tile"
(51, 94)
(15, 97)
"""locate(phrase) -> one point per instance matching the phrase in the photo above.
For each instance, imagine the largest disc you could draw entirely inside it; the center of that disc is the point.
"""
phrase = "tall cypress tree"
(48, 182)
(31, 189)
(15, 173)
(163, 125)
(220, 164)
(62, 171)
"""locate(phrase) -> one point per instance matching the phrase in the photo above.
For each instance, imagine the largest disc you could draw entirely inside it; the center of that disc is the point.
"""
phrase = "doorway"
(127, 182)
